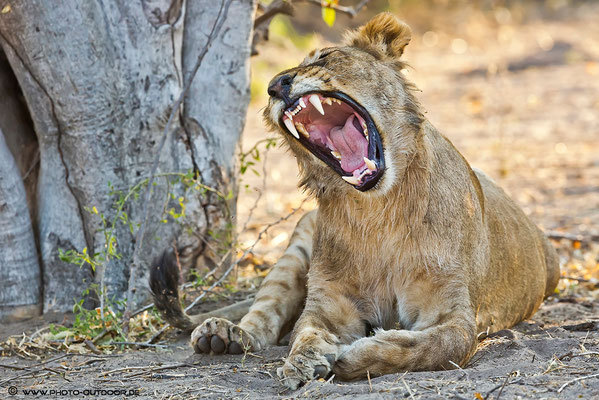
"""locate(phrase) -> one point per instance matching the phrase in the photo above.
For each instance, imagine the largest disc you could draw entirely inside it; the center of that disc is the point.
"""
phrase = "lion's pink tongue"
(351, 144)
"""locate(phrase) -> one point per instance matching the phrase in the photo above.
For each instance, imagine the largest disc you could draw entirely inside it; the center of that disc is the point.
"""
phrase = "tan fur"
(407, 275)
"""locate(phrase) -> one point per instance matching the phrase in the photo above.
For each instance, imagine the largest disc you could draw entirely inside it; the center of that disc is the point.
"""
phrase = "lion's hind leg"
(278, 302)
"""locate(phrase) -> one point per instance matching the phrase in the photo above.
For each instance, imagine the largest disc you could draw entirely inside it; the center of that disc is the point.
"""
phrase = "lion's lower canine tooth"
(291, 127)
(351, 179)
(300, 127)
(370, 164)
(315, 100)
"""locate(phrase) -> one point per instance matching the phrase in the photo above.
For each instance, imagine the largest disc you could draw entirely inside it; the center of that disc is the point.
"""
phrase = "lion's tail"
(164, 282)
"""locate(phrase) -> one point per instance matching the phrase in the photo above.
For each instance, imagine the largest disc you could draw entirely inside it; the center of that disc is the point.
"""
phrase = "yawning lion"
(411, 254)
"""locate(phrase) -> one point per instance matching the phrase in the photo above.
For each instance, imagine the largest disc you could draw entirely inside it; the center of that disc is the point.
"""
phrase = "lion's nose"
(280, 87)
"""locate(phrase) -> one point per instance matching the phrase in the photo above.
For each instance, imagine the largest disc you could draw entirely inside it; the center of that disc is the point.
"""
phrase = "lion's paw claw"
(300, 368)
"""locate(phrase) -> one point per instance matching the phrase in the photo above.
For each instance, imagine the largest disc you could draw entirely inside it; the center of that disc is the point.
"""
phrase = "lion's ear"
(385, 32)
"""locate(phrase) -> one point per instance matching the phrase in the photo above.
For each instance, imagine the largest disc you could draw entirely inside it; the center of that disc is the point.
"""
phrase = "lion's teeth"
(291, 127)
(351, 179)
(302, 103)
(300, 127)
(370, 164)
(366, 134)
(315, 100)
(336, 154)
(328, 101)
(288, 114)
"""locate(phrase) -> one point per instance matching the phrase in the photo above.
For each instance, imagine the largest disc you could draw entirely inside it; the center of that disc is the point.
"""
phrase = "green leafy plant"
(249, 158)
(89, 323)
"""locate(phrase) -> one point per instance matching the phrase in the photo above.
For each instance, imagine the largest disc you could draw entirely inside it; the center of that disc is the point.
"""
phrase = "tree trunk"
(19, 269)
(18, 130)
(100, 79)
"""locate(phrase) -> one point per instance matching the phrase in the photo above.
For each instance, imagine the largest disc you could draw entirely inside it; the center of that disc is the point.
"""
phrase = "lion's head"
(347, 112)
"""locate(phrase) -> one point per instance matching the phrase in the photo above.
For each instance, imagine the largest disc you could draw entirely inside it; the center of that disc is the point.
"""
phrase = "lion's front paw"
(217, 335)
(303, 366)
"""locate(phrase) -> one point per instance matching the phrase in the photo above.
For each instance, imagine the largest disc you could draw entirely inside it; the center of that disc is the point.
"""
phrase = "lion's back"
(522, 259)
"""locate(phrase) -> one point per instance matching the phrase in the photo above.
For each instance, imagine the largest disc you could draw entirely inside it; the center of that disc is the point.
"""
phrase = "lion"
(411, 256)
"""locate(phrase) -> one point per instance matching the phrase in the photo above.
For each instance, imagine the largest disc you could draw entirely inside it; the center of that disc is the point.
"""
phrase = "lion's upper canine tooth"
(291, 127)
(315, 100)
(336, 154)
(302, 102)
(370, 164)
(351, 179)
(300, 127)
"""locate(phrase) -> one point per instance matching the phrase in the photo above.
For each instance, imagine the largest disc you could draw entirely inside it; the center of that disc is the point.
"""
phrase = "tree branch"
(274, 8)
(351, 11)
(262, 22)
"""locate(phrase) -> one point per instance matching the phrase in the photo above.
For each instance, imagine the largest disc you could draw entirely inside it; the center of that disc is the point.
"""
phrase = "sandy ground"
(520, 102)
(537, 359)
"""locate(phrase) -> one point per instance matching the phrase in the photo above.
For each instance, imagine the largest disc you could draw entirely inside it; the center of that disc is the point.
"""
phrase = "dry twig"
(580, 378)
(572, 278)
(556, 235)
(407, 387)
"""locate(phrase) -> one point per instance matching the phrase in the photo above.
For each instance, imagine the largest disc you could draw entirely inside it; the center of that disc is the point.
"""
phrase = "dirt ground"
(537, 359)
(520, 101)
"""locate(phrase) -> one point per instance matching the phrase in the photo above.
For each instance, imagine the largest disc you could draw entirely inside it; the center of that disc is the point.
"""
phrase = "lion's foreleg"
(329, 321)
(443, 346)
(278, 301)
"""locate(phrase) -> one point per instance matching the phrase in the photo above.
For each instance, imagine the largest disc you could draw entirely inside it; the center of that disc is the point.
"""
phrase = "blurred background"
(513, 84)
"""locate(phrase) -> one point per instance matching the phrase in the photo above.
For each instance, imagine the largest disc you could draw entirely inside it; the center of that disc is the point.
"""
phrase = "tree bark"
(19, 269)
(19, 134)
(100, 79)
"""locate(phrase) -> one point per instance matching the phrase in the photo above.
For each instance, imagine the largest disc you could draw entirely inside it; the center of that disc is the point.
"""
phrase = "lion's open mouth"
(341, 133)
